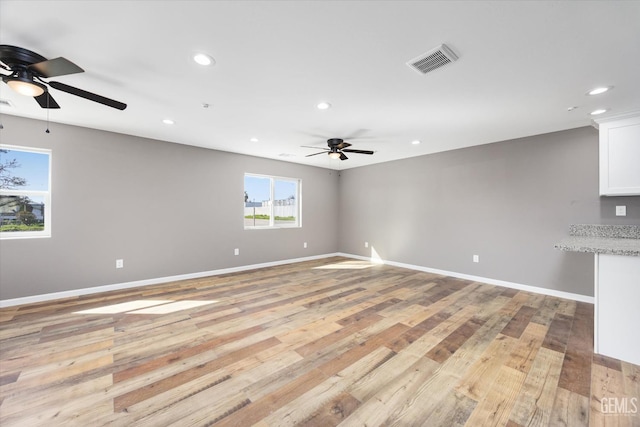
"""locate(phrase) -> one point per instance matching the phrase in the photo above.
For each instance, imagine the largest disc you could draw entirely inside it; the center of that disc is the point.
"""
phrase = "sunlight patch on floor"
(171, 308)
(146, 307)
(346, 265)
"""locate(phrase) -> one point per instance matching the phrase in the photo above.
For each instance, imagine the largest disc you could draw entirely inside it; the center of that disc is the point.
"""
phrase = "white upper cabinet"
(620, 155)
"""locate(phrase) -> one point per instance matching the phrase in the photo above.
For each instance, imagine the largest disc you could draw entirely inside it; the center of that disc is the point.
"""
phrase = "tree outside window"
(25, 195)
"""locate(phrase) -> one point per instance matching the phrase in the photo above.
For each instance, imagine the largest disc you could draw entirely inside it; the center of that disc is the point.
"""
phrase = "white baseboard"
(160, 280)
(147, 282)
(518, 286)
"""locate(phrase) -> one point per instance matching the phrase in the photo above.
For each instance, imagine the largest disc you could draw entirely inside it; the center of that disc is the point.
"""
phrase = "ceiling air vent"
(5, 103)
(435, 58)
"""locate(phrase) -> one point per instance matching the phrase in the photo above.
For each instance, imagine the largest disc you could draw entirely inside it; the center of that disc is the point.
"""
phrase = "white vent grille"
(432, 60)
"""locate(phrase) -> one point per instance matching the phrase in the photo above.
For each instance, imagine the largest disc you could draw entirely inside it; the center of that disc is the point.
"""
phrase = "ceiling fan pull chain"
(47, 93)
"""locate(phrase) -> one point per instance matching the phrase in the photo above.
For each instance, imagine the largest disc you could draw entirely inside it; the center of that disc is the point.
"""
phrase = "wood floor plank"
(435, 396)
(325, 342)
(610, 404)
(411, 335)
(535, 401)
(631, 380)
(308, 405)
(332, 412)
(261, 408)
(526, 349)
(471, 351)
(453, 410)
(43, 375)
(519, 322)
(569, 409)
(558, 333)
(453, 341)
(44, 408)
(495, 407)
(337, 335)
(349, 357)
(393, 399)
(237, 378)
(378, 379)
(479, 379)
(121, 402)
(576, 369)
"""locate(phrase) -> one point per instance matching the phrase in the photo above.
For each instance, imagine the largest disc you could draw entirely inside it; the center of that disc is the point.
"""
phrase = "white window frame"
(272, 223)
(46, 195)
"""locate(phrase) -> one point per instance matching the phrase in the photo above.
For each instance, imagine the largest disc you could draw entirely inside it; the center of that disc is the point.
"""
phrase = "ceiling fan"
(24, 72)
(337, 148)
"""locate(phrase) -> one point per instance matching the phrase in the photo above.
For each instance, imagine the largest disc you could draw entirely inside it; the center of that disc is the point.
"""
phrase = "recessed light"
(168, 122)
(254, 140)
(416, 142)
(203, 59)
(599, 111)
(599, 90)
(323, 106)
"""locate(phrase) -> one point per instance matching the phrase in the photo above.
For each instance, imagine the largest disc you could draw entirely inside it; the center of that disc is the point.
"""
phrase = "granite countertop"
(602, 239)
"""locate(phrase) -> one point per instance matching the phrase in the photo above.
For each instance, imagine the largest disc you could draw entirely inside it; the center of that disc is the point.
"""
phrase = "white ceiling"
(521, 65)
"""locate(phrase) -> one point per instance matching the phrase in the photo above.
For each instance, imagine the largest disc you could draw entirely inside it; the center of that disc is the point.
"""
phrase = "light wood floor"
(320, 343)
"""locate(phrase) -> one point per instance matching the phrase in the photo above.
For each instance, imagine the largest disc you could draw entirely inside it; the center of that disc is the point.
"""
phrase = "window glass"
(285, 209)
(271, 202)
(25, 195)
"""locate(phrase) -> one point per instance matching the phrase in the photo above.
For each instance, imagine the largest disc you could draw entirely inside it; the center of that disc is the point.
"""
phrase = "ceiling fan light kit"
(25, 86)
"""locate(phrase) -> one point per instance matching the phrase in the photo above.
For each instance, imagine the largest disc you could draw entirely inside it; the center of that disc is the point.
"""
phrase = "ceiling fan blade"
(314, 135)
(342, 156)
(5, 70)
(343, 145)
(88, 95)
(358, 151)
(317, 148)
(46, 101)
(55, 67)
(358, 134)
(315, 154)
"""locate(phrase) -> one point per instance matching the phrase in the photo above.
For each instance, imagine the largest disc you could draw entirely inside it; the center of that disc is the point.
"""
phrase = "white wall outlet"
(366, 244)
(304, 245)
(119, 263)
(621, 211)
(476, 258)
(236, 251)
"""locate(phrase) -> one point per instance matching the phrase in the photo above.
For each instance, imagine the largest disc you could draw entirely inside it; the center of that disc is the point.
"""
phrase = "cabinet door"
(618, 307)
(620, 157)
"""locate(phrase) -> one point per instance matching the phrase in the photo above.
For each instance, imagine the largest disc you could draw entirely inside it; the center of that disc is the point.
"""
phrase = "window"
(271, 202)
(25, 192)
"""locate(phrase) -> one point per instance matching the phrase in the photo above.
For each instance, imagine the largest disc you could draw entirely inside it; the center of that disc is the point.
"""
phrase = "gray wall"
(166, 209)
(508, 202)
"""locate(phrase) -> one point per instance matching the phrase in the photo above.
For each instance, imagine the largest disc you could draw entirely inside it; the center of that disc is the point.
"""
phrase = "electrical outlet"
(476, 258)
(236, 251)
(366, 244)
(621, 211)
(119, 263)
(304, 245)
